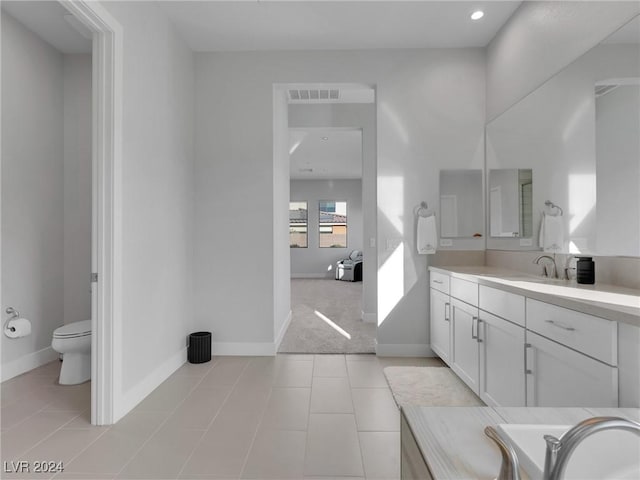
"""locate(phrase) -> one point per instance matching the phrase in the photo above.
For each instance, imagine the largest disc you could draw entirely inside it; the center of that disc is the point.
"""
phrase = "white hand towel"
(427, 235)
(552, 233)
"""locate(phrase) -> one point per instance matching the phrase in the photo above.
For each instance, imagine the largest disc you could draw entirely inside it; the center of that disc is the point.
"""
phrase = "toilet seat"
(73, 330)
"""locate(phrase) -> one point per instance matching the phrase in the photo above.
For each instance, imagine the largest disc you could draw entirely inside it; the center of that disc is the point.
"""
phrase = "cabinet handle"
(439, 282)
(473, 323)
(478, 339)
(560, 325)
(527, 371)
(447, 312)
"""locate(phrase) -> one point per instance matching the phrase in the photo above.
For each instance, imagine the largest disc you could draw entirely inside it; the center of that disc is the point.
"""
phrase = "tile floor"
(289, 416)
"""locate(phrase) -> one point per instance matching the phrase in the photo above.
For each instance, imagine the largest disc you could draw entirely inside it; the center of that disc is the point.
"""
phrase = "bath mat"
(429, 386)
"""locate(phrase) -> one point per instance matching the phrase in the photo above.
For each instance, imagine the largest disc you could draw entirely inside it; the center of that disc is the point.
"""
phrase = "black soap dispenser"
(585, 270)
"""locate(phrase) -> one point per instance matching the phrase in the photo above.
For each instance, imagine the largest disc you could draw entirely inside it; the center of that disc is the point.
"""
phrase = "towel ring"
(550, 204)
(423, 210)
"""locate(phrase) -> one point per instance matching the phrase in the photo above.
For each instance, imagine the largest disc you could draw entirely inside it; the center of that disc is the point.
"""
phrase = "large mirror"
(579, 133)
(461, 212)
(511, 202)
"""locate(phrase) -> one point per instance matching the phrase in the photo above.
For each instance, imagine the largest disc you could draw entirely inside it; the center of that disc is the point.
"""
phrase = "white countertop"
(453, 443)
(607, 301)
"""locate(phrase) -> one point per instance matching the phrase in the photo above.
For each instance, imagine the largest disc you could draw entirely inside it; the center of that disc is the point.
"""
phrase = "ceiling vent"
(604, 89)
(311, 95)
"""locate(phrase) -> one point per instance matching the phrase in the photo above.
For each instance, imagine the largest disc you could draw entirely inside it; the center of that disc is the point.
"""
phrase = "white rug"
(429, 386)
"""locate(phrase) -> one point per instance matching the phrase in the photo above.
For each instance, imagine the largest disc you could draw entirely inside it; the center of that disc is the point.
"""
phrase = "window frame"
(325, 225)
(306, 224)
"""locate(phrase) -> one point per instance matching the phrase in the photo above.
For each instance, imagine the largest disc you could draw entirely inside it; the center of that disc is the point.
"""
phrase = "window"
(333, 224)
(298, 224)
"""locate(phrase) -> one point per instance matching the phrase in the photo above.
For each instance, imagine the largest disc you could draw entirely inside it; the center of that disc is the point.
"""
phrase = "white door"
(464, 355)
(440, 324)
(502, 375)
(560, 377)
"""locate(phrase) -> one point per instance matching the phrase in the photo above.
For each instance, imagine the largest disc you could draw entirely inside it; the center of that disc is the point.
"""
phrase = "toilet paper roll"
(17, 327)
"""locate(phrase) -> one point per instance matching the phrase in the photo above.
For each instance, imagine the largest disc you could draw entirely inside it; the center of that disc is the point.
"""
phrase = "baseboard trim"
(404, 350)
(28, 362)
(310, 275)
(255, 349)
(282, 331)
(369, 317)
(139, 392)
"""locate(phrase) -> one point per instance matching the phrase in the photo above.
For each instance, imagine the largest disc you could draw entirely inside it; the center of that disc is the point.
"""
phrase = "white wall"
(157, 197)
(361, 116)
(32, 193)
(430, 115)
(540, 39)
(77, 187)
(314, 261)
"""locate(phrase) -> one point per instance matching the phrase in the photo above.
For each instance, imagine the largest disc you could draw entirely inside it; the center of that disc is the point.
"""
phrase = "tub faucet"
(559, 450)
(548, 268)
(510, 467)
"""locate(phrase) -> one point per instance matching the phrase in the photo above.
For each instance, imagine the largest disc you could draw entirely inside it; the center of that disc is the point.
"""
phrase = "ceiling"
(47, 20)
(314, 158)
(244, 25)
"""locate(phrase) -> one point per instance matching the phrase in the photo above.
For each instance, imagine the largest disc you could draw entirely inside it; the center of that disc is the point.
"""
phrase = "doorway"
(100, 216)
(330, 158)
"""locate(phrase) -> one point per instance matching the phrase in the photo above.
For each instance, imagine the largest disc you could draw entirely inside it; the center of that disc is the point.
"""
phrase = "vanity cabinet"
(502, 338)
(558, 376)
(440, 325)
(440, 315)
(464, 333)
(513, 351)
(502, 380)
(571, 358)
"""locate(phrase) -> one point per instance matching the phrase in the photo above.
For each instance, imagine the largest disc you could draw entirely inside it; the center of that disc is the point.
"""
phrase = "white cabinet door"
(560, 377)
(502, 377)
(464, 332)
(440, 324)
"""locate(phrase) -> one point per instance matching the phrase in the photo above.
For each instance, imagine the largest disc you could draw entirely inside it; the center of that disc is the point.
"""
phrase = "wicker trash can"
(199, 349)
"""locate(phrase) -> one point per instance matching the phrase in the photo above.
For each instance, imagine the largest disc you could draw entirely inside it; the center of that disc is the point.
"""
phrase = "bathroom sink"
(611, 454)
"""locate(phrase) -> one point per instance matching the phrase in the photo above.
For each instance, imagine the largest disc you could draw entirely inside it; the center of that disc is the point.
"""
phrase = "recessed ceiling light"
(325, 138)
(477, 15)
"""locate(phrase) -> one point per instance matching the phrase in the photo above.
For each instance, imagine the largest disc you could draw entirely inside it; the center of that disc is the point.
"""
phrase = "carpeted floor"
(429, 386)
(336, 301)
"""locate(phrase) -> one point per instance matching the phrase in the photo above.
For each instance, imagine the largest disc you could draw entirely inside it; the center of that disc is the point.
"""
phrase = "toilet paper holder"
(14, 314)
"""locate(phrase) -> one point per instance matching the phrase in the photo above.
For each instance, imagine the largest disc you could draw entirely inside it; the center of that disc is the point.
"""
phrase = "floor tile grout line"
(233, 387)
(50, 434)
(87, 446)
(166, 419)
(255, 435)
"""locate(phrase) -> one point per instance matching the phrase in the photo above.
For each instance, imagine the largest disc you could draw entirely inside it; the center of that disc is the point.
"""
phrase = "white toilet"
(74, 342)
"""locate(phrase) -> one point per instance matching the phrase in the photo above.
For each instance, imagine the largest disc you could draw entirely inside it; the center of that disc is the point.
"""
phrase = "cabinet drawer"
(590, 335)
(503, 304)
(439, 281)
(465, 291)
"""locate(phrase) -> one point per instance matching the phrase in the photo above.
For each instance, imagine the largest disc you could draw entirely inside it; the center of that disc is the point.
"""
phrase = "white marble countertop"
(453, 443)
(614, 303)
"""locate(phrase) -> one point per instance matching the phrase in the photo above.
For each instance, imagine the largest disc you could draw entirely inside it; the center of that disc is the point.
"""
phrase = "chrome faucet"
(559, 450)
(510, 467)
(549, 269)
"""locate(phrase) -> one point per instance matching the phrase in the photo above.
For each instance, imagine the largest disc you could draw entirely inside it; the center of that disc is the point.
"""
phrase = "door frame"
(106, 235)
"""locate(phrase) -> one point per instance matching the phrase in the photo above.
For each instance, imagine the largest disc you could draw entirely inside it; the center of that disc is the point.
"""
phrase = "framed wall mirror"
(461, 204)
(579, 132)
